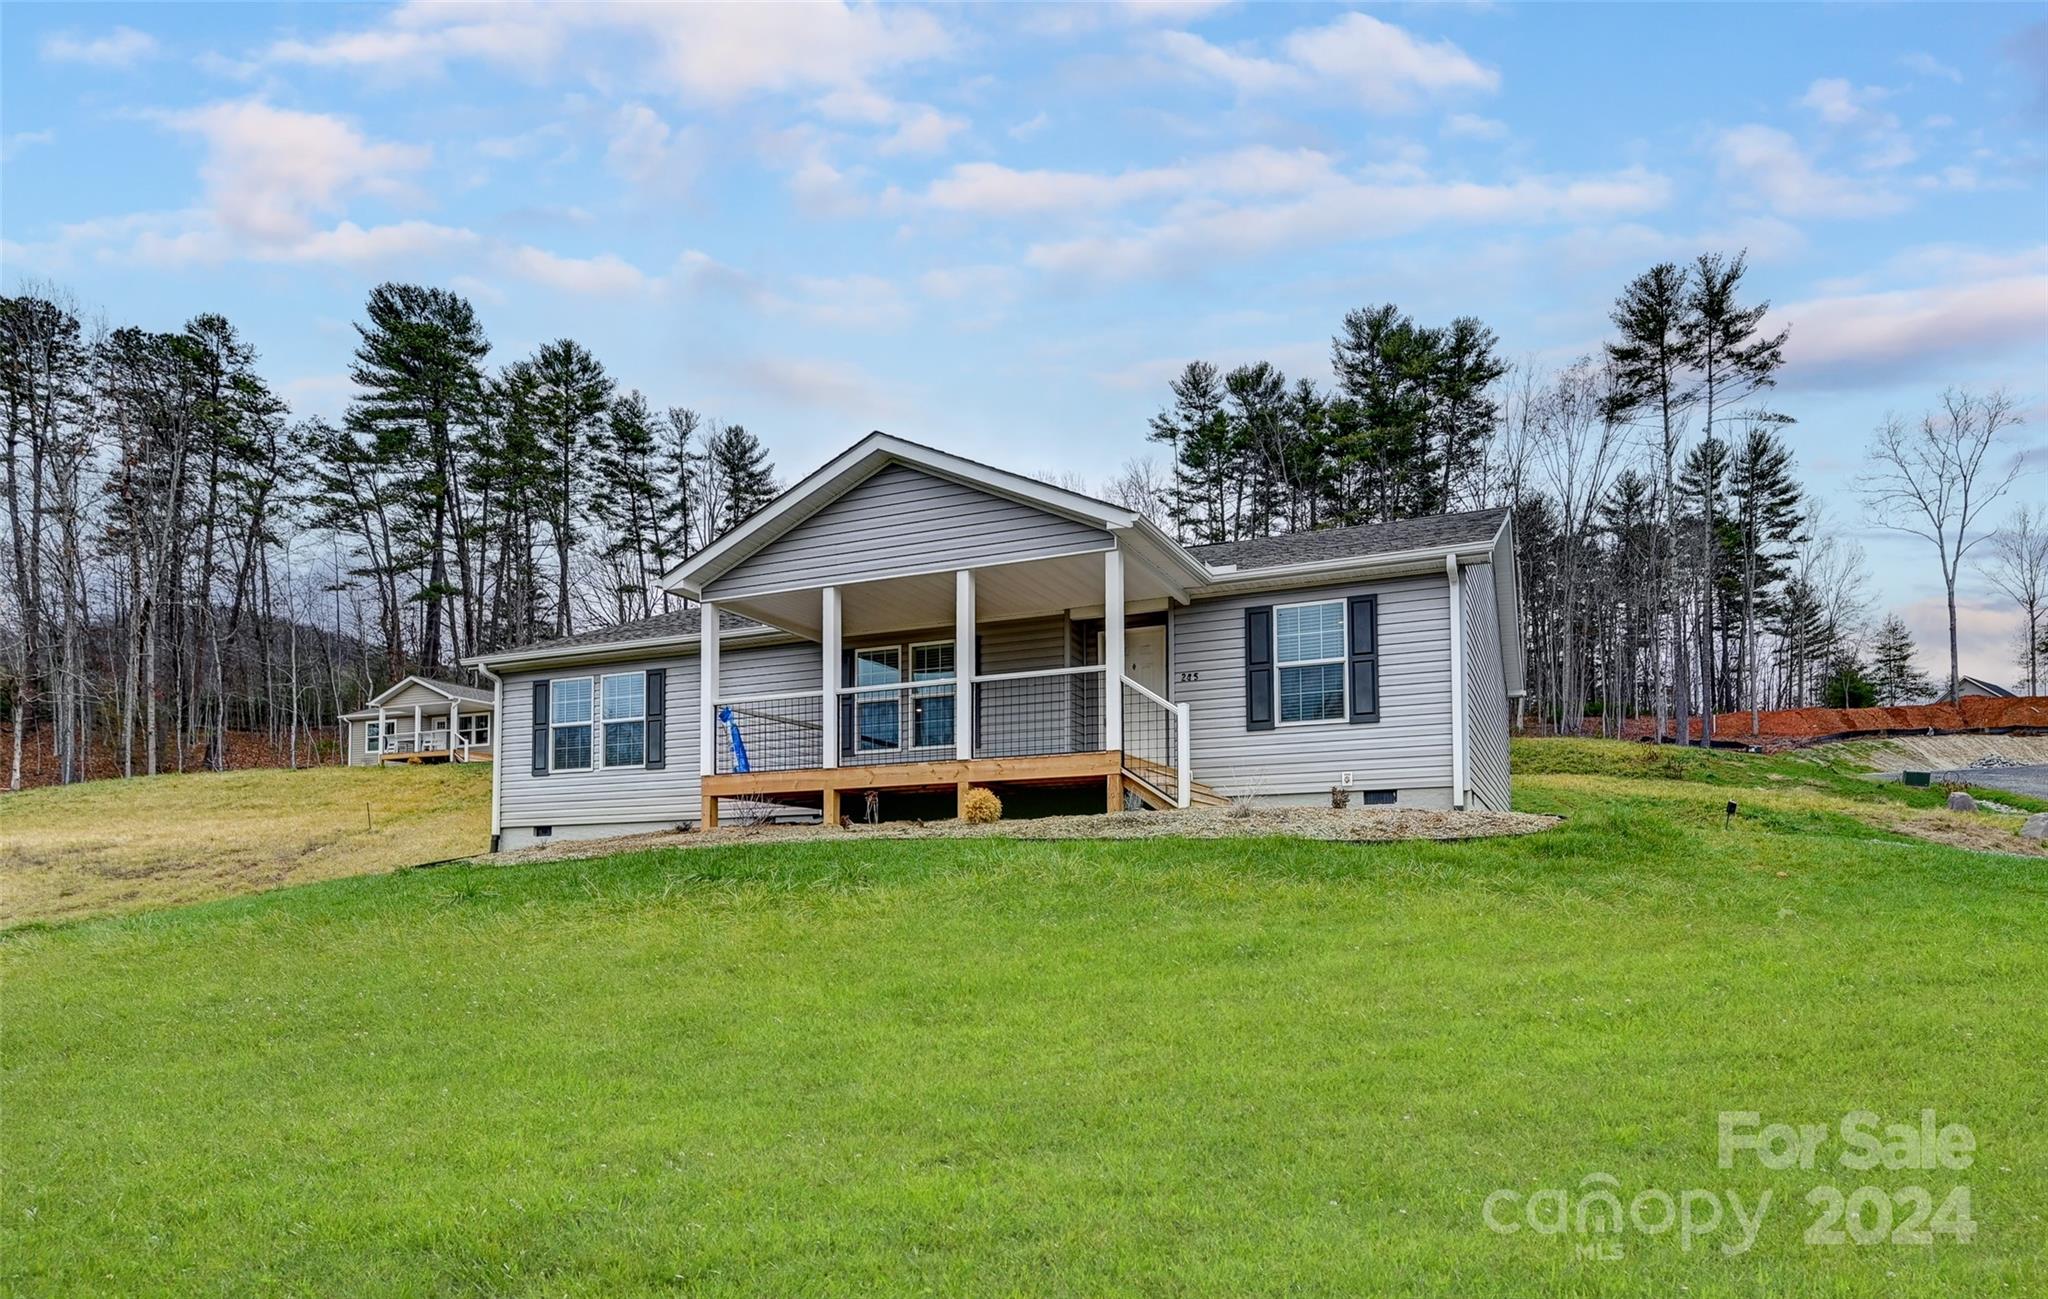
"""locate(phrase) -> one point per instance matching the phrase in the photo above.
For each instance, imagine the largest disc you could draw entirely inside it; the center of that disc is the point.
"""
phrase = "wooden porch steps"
(1155, 785)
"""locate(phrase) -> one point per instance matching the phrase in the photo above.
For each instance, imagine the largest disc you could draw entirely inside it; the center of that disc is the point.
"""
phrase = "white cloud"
(1347, 210)
(645, 150)
(1839, 103)
(270, 171)
(1381, 67)
(123, 47)
(986, 282)
(990, 189)
(1030, 126)
(920, 128)
(1387, 68)
(718, 54)
(1775, 171)
(844, 390)
(12, 145)
(1928, 66)
(1471, 126)
(604, 275)
(923, 130)
(1857, 338)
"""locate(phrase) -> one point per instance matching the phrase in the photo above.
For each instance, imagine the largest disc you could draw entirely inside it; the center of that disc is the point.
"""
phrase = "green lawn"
(1165, 1067)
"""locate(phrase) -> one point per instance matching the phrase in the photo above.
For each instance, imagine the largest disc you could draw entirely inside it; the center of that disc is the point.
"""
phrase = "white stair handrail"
(1182, 776)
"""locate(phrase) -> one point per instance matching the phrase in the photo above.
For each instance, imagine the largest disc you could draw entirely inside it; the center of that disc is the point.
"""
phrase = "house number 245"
(1184, 677)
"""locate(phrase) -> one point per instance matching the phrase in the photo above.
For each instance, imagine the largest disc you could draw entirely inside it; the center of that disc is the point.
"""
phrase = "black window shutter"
(657, 718)
(1258, 668)
(540, 728)
(1365, 658)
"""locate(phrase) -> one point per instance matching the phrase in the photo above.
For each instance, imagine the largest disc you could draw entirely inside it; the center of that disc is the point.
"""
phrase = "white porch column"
(707, 689)
(454, 731)
(829, 618)
(963, 664)
(380, 734)
(1113, 648)
(416, 715)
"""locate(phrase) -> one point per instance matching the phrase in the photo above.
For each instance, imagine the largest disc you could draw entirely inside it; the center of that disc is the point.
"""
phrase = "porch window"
(474, 729)
(932, 707)
(877, 718)
(570, 722)
(625, 719)
(1309, 652)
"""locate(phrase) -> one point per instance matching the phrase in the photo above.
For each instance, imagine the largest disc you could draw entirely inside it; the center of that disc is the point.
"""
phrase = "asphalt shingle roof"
(460, 691)
(662, 626)
(1470, 527)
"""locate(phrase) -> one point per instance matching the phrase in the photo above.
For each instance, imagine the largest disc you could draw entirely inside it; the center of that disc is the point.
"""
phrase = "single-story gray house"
(904, 619)
(425, 719)
(1973, 688)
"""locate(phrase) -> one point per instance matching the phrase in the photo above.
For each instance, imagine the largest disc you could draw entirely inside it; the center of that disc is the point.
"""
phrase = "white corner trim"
(1458, 756)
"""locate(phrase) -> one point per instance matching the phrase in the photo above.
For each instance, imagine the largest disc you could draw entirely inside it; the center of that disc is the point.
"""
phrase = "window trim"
(855, 690)
(604, 719)
(1342, 661)
(954, 680)
(474, 721)
(596, 707)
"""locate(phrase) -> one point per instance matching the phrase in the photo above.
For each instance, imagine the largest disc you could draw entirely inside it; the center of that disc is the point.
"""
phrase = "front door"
(1145, 658)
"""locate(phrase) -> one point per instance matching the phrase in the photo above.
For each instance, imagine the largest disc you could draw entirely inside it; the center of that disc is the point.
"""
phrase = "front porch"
(1001, 674)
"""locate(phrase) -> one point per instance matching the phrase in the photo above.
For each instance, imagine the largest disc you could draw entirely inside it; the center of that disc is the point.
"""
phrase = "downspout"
(497, 742)
(1455, 578)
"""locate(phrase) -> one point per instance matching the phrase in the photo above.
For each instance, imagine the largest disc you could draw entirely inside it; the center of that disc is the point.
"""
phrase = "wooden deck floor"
(831, 782)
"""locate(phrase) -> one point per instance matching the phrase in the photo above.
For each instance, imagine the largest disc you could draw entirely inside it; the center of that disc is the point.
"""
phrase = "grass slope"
(1031, 1068)
(114, 845)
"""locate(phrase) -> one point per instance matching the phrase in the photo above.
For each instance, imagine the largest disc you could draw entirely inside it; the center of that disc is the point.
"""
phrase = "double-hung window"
(877, 714)
(374, 736)
(474, 729)
(1309, 654)
(569, 721)
(932, 706)
(625, 719)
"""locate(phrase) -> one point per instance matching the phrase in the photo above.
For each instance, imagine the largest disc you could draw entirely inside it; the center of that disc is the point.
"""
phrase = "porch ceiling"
(1002, 591)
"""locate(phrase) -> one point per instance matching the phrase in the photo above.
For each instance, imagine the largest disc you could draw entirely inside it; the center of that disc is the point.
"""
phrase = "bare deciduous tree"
(1936, 481)
(2018, 566)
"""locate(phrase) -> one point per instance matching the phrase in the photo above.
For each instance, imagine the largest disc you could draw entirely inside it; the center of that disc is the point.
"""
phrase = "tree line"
(186, 560)
(1673, 566)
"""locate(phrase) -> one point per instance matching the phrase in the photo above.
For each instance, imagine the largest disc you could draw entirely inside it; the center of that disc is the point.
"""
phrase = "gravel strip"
(1196, 823)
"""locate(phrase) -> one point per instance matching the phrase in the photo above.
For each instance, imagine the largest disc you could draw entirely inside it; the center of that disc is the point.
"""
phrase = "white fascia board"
(854, 466)
(1232, 580)
(607, 651)
(403, 682)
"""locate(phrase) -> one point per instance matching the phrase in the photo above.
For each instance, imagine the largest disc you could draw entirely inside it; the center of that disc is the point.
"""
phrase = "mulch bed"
(1350, 826)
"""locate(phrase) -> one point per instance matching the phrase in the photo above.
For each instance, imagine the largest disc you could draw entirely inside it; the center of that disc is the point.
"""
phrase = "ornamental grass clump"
(981, 807)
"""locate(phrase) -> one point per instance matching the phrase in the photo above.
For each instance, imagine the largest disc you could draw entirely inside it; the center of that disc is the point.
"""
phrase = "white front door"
(1144, 657)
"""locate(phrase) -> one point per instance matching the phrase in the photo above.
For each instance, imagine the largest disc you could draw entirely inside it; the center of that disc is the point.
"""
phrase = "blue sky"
(1000, 229)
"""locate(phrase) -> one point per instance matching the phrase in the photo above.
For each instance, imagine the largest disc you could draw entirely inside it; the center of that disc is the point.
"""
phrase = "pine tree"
(625, 498)
(1894, 676)
(1767, 518)
(1652, 385)
(570, 394)
(1386, 368)
(742, 467)
(1196, 434)
(419, 365)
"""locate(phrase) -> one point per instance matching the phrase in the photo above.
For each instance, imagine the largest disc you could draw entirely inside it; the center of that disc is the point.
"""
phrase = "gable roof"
(678, 626)
(1990, 688)
(1361, 541)
(856, 465)
(445, 689)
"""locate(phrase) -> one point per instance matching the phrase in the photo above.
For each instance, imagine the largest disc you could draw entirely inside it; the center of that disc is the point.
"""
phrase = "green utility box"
(1918, 779)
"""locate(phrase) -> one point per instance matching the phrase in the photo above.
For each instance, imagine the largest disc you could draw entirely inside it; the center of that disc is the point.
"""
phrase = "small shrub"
(981, 807)
(1240, 808)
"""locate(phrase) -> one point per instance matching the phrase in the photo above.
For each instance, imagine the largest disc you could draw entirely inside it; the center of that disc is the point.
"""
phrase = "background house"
(420, 717)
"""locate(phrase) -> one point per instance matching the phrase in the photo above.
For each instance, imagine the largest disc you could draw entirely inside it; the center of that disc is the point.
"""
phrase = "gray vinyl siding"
(904, 521)
(358, 738)
(1486, 698)
(426, 698)
(1408, 749)
(627, 798)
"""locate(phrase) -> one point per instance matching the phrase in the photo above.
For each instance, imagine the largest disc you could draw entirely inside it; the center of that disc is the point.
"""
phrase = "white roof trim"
(416, 680)
(856, 465)
(601, 650)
